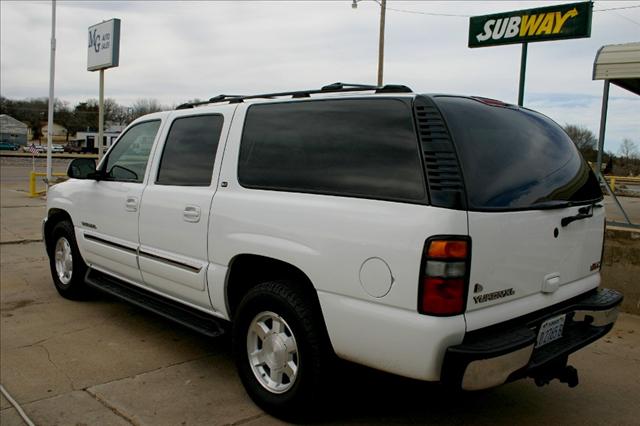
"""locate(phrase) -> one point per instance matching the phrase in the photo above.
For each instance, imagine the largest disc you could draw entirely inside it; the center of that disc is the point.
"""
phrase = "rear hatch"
(534, 207)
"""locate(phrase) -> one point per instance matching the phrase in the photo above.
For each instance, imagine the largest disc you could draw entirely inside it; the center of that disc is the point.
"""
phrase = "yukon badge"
(494, 295)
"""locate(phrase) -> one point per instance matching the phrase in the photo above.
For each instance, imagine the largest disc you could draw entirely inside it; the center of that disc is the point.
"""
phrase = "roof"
(10, 124)
(620, 64)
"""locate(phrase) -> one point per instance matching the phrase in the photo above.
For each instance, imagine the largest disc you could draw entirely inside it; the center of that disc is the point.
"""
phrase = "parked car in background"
(42, 149)
(27, 148)
(8, 146)
(72, 149)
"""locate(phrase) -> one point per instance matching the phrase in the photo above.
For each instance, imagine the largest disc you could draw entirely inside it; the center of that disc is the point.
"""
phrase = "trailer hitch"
(561, 371)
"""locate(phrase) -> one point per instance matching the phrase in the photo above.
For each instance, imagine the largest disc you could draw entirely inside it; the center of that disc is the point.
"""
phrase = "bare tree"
(584, 138)
(144, 106)
(628, 149)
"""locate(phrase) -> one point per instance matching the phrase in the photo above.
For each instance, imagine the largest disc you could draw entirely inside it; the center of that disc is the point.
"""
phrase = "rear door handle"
(191, 214)
(131, 205)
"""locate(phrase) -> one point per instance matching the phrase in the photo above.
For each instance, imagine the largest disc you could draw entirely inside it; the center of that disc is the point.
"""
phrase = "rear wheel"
(67, 267)
(280, 349)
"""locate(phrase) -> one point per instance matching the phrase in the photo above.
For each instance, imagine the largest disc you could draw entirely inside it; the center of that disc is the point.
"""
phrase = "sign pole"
(101, 115)
(523, 71)
(52, 72)
(103, 52)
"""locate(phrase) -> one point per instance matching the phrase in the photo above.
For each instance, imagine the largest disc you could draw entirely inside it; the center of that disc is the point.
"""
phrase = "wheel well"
(54, 217)
(248, 270)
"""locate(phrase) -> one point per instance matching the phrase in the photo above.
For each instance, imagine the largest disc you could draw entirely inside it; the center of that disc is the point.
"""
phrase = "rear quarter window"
(347, 147)
(514, 158)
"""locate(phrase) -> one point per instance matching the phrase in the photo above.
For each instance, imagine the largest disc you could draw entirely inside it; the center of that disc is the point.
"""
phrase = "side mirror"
(82, 168)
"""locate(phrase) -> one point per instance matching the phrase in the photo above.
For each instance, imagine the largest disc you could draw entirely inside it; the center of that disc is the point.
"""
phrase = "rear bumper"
(498, 354)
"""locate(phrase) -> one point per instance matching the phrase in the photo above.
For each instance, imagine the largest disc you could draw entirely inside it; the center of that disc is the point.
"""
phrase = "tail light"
(444, 276)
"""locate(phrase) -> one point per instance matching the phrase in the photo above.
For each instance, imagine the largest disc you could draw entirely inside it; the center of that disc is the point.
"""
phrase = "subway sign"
(523, 26)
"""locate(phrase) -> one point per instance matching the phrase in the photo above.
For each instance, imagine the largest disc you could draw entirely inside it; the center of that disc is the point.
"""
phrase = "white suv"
(442, 238)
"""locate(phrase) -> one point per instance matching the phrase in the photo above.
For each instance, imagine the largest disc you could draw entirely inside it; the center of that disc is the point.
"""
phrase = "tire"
(292, 335)
(67, 266)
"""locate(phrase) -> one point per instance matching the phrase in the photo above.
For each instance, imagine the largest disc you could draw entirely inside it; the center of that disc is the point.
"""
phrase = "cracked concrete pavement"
(104, 362)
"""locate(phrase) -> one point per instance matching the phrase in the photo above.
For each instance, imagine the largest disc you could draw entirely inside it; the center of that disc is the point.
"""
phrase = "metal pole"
(603, 124)
(523, 70)
(383, 9)
(101, 115)
(52, 72)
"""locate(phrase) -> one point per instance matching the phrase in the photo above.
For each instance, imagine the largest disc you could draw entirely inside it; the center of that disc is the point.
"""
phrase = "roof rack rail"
(330, 88)
(219, 98)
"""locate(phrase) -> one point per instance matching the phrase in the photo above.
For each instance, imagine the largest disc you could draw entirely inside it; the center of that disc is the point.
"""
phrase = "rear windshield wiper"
(583, 213)
(555, 204)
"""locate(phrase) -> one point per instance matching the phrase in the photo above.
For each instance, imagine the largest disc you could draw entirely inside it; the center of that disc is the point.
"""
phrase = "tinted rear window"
(190, 151)
(514, 158)
(352, 147)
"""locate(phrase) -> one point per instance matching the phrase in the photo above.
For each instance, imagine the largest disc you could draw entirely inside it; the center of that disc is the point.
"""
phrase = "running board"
(191, 318)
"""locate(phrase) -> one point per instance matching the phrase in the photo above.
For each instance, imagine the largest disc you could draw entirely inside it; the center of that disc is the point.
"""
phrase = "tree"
(85, 116)
(584, 138)
(144, 106)
(628, 149)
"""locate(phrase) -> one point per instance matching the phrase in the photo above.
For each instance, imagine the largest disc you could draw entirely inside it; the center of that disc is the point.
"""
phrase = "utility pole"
(383, 9)
(52, 72)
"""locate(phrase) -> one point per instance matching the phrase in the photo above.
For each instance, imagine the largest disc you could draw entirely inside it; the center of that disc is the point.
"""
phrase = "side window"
(350, 147)
(190, 151)
(128, 159)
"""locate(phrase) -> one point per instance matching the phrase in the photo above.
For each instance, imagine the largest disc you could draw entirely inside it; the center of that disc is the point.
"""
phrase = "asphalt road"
(16, 169)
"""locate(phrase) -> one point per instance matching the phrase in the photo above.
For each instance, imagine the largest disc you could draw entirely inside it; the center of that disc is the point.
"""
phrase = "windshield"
(515, 159)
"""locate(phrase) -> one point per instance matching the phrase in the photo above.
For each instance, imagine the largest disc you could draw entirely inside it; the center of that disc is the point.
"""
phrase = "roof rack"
(330, 88)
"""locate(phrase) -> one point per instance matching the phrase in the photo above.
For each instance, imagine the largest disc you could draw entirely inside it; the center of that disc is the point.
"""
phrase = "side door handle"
(131, 205)
(191, 214)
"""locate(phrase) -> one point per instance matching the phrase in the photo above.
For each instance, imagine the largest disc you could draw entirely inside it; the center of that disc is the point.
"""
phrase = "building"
(12, 130)
(87, 141)
(59, 132)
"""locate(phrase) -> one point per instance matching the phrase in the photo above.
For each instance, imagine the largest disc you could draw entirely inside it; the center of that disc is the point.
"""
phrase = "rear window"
(514, 158)
(190, 151)
(350, 147)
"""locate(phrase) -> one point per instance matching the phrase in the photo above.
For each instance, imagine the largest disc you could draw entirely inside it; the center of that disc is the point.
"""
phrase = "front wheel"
(280, 349)
(67, 266)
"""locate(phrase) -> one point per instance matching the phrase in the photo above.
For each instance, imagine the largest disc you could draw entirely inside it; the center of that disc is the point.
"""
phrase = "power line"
(417, 12)
(454, 15)
(616, 8)
(627, 18)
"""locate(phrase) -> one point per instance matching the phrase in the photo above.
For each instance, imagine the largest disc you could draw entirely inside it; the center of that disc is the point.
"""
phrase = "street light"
(383, 9)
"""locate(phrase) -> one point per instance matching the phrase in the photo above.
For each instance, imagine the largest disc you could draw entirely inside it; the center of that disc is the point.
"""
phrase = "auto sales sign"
(103, 49)
(523, 26)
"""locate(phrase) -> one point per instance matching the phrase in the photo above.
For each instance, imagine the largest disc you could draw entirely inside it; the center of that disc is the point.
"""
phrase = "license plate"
(550, 330)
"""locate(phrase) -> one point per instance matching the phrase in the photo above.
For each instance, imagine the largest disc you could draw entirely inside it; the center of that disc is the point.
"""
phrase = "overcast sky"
(176, 51)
